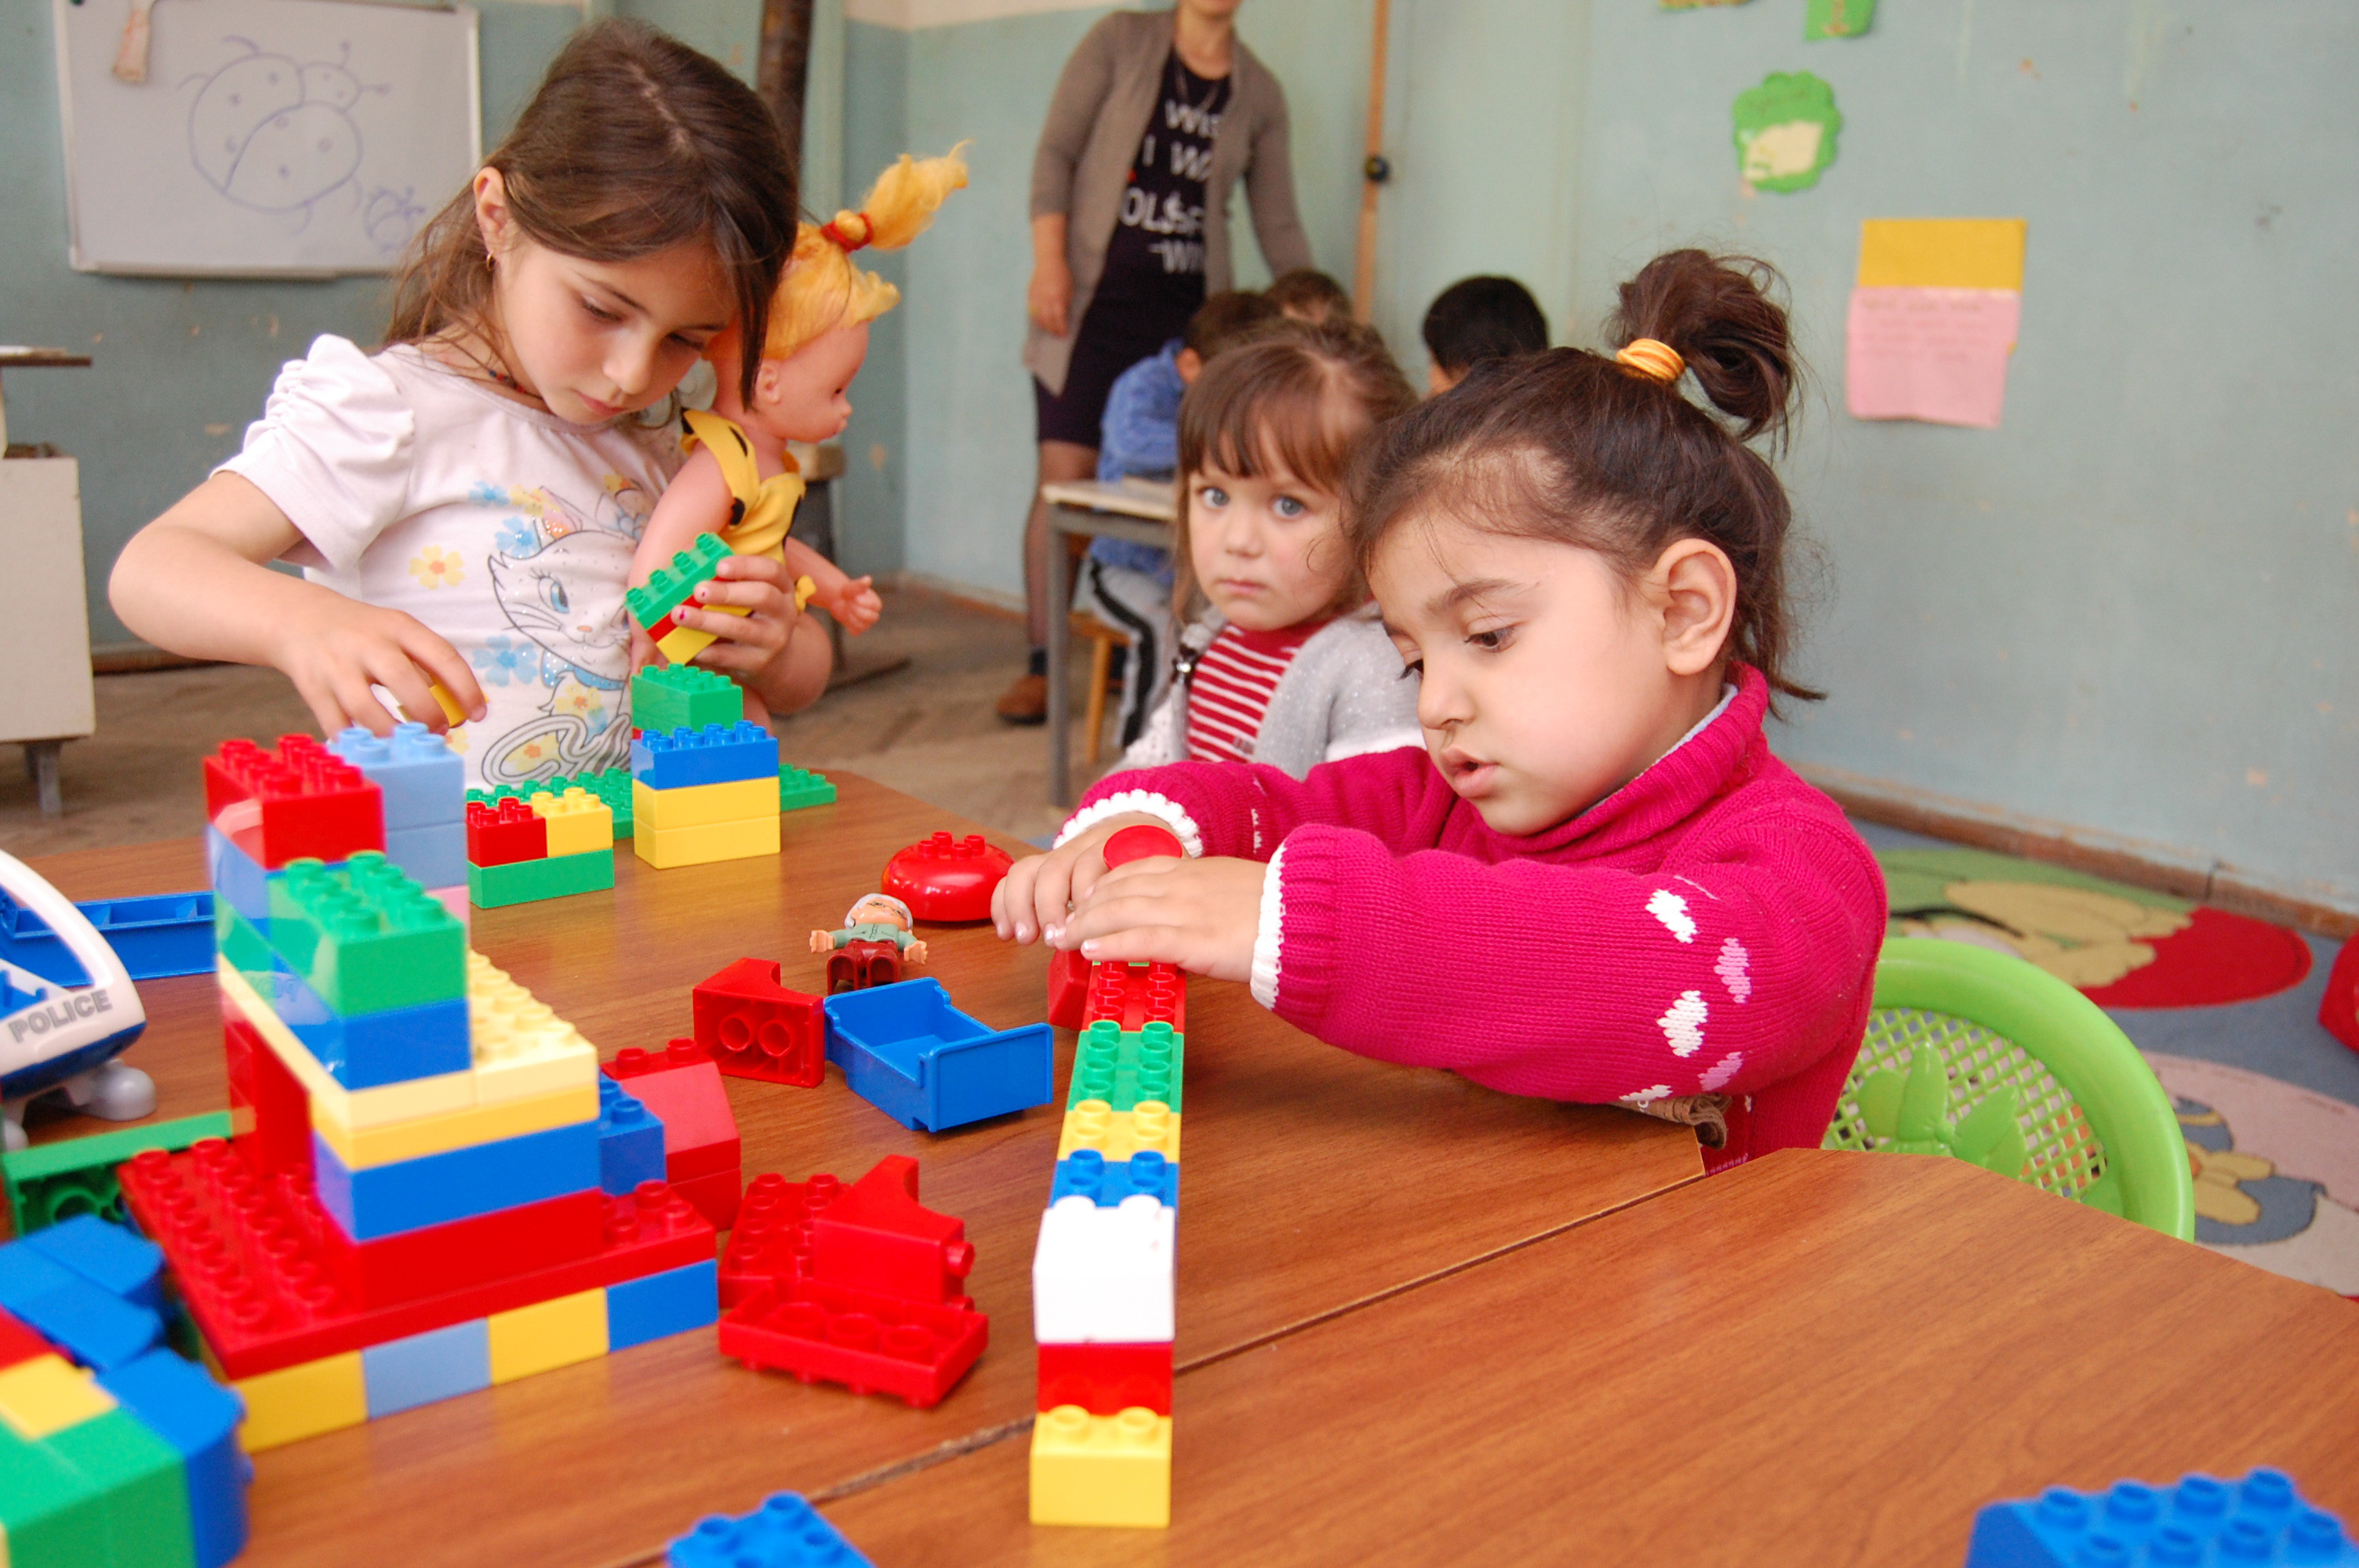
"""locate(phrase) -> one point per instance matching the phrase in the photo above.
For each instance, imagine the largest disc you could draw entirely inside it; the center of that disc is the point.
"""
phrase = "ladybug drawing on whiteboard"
(276, 135)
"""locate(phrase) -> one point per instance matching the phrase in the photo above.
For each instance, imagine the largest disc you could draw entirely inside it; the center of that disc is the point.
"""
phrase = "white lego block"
(1104, 1275)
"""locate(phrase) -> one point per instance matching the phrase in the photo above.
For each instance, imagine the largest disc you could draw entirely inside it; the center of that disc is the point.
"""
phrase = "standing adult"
(1157, 116)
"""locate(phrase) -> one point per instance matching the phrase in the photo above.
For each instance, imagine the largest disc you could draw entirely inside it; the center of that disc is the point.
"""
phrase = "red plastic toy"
(867, 950)
(269, 1110)
(1107, 1379)
(683, 1089)
(946, 881)
(2338, 1010)
(1141, 842)
(756, 1028)
(1136, 995)
(506, 834)
(1069, 988)
(300, 801)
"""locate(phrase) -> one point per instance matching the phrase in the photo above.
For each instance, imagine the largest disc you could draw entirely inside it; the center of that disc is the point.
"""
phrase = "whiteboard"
(272, 138)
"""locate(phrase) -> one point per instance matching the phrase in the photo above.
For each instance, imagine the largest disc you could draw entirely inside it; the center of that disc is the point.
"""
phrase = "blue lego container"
(1087, 1173)
(715, 754)
(423, 780)
(784, 1532)
(170, 934)
(630, 1141)
(2199, 1523)
(385, 1200)
(198, 1418)
(908, 1052)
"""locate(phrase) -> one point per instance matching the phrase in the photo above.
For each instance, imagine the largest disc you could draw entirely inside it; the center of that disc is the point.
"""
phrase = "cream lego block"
(1104, 1275)
(365, 1147)
(523, 1050)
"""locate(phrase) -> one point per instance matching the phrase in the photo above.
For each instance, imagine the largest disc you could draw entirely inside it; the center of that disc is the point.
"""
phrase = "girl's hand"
(1201, 915)
(1050, 300)
(746, 642)
(334, 649)
(1031, 903)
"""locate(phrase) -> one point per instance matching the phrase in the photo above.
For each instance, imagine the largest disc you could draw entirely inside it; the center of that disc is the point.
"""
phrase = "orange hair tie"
(843, 241)
(1655, 361)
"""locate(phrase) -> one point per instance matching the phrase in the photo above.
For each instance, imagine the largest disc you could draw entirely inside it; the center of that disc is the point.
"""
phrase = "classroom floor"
(926, 728)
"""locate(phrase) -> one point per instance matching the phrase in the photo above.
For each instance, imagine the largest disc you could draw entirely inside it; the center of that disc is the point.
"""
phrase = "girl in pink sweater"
(1596, 884)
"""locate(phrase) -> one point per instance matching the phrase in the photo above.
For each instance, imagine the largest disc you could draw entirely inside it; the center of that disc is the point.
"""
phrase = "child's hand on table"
(1031, 902)
(335, 649)
(1201, 915)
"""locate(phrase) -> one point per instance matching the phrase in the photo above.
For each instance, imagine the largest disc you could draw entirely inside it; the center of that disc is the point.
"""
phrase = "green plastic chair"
(1985, 1058)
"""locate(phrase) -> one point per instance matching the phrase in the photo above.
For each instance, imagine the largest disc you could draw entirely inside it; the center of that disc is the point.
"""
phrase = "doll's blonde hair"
(822, 290)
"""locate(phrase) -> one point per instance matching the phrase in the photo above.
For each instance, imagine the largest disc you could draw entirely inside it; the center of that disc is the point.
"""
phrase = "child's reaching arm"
(195, 581)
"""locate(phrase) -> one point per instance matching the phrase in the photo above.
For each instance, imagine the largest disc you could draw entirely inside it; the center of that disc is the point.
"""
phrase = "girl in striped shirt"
(1289, 665)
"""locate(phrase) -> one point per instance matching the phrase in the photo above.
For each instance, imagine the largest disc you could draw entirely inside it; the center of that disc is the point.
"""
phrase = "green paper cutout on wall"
(1786, 130)
(1695, 5)
(1838, 18)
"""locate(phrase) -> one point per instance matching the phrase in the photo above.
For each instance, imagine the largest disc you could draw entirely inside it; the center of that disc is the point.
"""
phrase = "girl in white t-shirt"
(464, 502)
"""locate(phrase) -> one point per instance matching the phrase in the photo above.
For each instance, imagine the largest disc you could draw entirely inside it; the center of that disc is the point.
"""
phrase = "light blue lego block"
(630, 1141)
(2199, 1523)
(238, 879)
(433, 856)
(115, 1258)
(715, 754)
(1087, 1173)
(442, 1364)
(385, 1200)
(907, 1051)
(82, 1321)
(423, 780)
(370, 1049)
(198, 1418)
(784, 1532)
(662, 1304)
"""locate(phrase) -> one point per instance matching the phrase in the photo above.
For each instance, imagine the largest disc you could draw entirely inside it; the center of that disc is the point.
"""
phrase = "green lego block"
(663, 701)
(52, 1515)
(613, 787)
(59, 1181)
(1124, 1069)
(530, 881)
(235, 939)
(142, 1479)
(367, 939)
(799, 787)
(671, 586)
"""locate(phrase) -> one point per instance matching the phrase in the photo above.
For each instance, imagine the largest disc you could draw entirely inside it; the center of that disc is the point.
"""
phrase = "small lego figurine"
(740, 482)
(868, 951)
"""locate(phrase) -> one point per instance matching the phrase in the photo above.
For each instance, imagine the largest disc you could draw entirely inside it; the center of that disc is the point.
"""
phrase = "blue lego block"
(198, 1418)
(2198, 1523)
(1087, 1173)
(432, 856)
(423, 780)
(368, 1049)
(686, 758)
(156, 937)
(81, 1320)
(661, 1304)
(630, 1141)
(238, 878)
(908, 1052)
(385, 1200)
(442, 1364)
(784, 1532)
(115, 1258)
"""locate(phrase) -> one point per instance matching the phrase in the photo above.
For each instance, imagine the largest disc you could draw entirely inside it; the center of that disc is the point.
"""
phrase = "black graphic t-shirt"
(1159, 240)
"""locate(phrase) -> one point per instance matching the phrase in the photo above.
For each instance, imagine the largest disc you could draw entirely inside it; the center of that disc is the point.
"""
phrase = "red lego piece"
(300, 801)
(876, 1236)
(869, 1342)
(1068, 986)
(856, 966)
(1136, 995)
(756, 1028)
(772, 1241)
(683, 1089)
(1141, 841)
(266, 1295)
(2338, 1010)
(505, 834)
(268, 1109)
(633, 1063)
(1107, 1379)
(462, 1253)
(18, 1343)
(945, 879)
(716, 1197)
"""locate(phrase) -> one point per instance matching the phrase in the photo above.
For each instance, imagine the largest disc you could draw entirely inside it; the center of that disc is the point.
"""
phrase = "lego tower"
(410, 1206)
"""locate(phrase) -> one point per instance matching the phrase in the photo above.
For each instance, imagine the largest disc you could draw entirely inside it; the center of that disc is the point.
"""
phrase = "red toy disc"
(945, 881)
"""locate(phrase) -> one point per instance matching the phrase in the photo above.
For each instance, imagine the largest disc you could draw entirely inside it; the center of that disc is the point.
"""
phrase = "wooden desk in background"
(1135, 510)
(1317, 1183)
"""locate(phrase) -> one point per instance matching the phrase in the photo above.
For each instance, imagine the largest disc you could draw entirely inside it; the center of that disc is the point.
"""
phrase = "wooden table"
(1820, 1359)
(1137, 510)
(1317, 1183)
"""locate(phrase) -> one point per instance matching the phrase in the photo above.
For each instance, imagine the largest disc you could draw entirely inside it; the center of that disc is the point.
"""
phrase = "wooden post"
(783, 74)
(1373, 172)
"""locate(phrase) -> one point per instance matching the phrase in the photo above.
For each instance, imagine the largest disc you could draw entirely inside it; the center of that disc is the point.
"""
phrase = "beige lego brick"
(523, 1050)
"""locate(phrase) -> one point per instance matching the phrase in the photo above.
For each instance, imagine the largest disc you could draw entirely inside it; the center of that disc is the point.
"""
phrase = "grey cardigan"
(1103, 102)
(1342, 697)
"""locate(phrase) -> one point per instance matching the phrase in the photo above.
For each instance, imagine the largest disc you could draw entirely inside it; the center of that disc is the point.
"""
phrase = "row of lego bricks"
(300, 801)
(798, 788)
(349, 1387)
(671, 586)
(544, 824)
(113, 1451)
(1122, 1070)
(51, 1183)
(364, 935)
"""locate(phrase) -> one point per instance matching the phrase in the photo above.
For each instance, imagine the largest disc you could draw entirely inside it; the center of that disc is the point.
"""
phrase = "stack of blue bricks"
(425, 786)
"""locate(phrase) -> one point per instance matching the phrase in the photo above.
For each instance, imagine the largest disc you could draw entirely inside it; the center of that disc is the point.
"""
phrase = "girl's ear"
(492, 218)
(1693, 584)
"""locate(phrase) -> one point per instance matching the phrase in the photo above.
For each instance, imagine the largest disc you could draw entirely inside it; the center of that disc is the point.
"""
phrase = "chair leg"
(1101, 667)
(41, 768)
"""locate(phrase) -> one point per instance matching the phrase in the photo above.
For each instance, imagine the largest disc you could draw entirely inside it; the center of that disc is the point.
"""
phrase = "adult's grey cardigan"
(1109, 87)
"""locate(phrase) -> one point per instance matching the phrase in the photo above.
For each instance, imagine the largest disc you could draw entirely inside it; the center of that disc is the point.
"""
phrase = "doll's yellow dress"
(763, 509)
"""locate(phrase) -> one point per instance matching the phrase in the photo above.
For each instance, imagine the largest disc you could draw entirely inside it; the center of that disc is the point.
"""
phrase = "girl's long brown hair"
(635, 143)
(1577, 447)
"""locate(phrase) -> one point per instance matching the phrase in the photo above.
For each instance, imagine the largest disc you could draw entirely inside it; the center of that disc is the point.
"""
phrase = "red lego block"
(505, 834)
(2338, 1010)
(876, 1236)
(716, 1197)
(1141, 842)
(772, 1241)
(869, 1342)
(683, 1089)
(945, 879)
(633, 1063)
(268, 1107)
(18, 1343)
(462, 1253)
(1107, 1379)
(267, 1294)
(1136, 995)
(756, 1028)
(301, 800)
(1069, 988)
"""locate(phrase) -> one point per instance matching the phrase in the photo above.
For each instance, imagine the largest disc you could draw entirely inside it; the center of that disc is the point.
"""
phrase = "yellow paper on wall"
(1941, 253)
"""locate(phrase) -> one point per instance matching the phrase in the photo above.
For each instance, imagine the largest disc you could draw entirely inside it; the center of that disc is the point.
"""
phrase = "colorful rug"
(2225, 1009)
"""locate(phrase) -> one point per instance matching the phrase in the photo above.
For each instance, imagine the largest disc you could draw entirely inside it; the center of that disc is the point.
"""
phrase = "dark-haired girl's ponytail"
(1716, 314)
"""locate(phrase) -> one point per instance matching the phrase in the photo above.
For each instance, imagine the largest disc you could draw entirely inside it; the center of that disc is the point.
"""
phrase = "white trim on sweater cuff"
(1267, 933)
(1174, 817)
(1368, 746)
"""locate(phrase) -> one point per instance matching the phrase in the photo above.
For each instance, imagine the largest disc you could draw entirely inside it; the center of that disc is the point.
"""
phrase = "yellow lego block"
(578, 822)
(1118, 1134)
(293, 1403)
(47, 1394)
(363, 1148)
(665, 847)
(699, 806)
(523, 1050)
(1102, 1469)
(547, 1334)
(333, 1105)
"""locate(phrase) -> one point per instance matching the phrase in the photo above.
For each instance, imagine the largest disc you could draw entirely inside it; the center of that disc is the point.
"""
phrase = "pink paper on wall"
(1936, 354)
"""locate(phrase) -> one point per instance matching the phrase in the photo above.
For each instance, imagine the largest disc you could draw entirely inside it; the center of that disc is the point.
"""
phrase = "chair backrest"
(2095, 1125)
